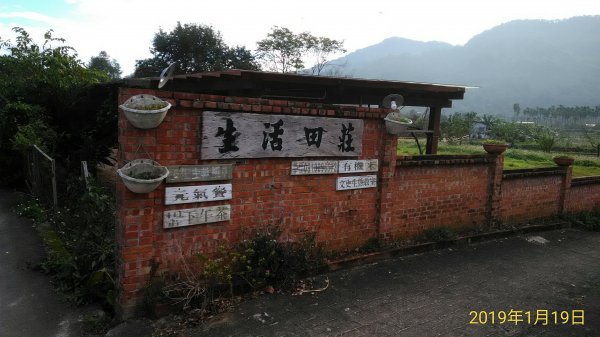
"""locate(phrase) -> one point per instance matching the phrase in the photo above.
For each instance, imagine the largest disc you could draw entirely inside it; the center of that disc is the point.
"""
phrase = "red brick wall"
(584, 195)
(264, 192)
(529, 198)
(453, 194)
(413, 193)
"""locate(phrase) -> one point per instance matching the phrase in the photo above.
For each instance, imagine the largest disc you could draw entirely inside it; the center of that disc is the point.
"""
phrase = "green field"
(585, 165)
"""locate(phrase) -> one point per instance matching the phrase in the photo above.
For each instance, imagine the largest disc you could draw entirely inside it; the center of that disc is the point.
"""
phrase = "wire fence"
(41, 176)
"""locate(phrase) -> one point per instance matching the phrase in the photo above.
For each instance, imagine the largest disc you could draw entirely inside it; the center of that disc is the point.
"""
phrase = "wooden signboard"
(191, 173)
(189, 194)
(304, 167)
(227, 135)
(358, 166)
(196, 216)
(353, 183)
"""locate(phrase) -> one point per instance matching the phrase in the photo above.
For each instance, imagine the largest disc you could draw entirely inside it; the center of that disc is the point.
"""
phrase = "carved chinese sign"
(357, 166)
(244, 135)
(191, 173)
(353, 183)
(189, 194)
(196, 216)
(304, 167)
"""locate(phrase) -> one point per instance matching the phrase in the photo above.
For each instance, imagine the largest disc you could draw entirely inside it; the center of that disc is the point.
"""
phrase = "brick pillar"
(387, 159)
(493, 210)
(136, 215)
(565, 189)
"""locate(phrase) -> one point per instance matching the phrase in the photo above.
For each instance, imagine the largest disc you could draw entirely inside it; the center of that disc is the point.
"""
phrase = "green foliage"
(588, 220)
(592, 137)
(32, 209)
(96, 324)
(34, 133)
(511, 132)
(266, 261)
(493, 141)
(259, 262)
(283, 50)
(456, 127)
(106, 65)
(195, 48)
(47, 97)
(322, 48)
(81, 247)
(545, 138)
(153, 291)
(437, 234)
(560, 116)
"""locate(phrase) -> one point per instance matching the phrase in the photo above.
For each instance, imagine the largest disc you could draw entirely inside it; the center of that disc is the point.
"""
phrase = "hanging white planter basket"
(142, 175)
(145, 111)
(395, 124)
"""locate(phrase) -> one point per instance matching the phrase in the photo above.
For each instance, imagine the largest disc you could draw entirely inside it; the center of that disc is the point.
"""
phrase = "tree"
(456, 127)
(283, 51)
(322, 48)
(593, 138)
(105, 64)
(45, 100)
(195, 48)
(517, 110)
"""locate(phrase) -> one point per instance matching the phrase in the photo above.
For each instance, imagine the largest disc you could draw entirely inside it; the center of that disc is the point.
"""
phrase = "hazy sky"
(124, 28)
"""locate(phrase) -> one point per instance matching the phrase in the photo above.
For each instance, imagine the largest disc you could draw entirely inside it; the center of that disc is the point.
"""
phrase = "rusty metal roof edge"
(251, 74)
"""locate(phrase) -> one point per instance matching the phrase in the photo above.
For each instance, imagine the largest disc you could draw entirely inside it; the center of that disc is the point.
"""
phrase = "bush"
(588, 220)
(260, 262)
(269, 262)
(81, 247)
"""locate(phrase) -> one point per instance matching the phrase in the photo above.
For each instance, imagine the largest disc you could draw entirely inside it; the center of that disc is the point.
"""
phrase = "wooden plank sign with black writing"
(309, 167)
(353, 183)
(358, 166)
(196, 216)
(228, 135)
(191, 173)
(190, 194)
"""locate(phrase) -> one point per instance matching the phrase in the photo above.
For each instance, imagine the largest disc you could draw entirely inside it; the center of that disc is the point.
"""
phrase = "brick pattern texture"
(408, 199)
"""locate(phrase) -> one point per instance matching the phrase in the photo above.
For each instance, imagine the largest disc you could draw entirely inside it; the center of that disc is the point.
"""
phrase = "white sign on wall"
(305, 167)
(358, 166)
(353, 183)
(229, 135)
(189, 194)
(196, 216)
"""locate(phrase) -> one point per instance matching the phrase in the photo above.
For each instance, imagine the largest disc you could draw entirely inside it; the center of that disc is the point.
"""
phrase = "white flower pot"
(137, 112)
(142, 175)
(393, 125)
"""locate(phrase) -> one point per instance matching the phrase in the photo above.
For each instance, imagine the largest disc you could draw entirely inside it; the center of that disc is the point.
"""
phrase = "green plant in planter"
(146, 175)
(156, 106)
(494, 142)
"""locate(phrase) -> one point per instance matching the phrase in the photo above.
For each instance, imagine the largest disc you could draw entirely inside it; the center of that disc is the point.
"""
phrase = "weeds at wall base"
(79, 241)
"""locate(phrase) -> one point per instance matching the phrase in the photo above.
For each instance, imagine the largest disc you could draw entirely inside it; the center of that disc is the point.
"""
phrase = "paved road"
(28, 306)
(432, 294)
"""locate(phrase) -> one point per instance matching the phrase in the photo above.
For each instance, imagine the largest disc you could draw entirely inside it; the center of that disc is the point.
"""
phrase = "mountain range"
(535, 63)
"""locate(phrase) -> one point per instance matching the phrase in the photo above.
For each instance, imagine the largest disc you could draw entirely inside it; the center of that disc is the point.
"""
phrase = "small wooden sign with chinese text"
(190, 194)
(191, 173)
(196, 216)
(305, 167)
(357, 182)
(358, 166)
